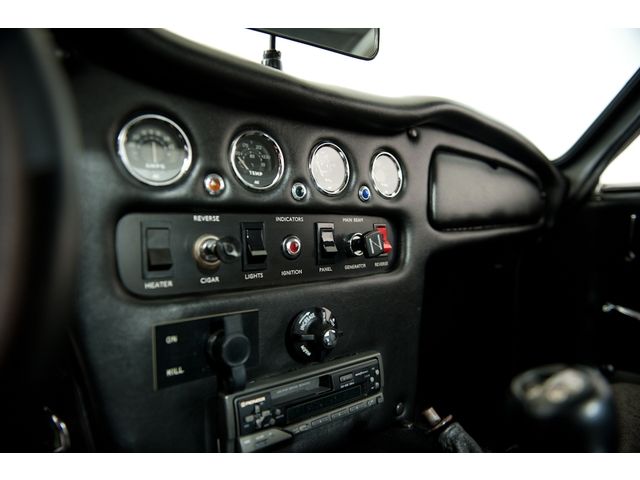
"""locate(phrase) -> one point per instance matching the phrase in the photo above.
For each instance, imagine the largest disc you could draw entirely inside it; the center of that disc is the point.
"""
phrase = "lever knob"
(564, 409)
(232, 352)
(373, 244)
(228, 249)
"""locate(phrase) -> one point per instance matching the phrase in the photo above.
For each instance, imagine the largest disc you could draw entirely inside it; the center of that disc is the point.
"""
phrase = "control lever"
(229, 349)
(449, 436)
(627, 312)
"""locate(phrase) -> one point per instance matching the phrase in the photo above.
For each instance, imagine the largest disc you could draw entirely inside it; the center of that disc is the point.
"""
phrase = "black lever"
(449, 436)
(229, 349)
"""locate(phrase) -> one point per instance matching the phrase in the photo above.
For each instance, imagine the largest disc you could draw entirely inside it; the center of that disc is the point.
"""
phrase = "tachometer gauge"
(386, 175)
(257, 160)
(154, 149)
(329, 168)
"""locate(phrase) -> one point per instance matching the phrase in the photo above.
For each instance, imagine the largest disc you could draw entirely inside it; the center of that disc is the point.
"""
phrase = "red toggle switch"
(386, 245)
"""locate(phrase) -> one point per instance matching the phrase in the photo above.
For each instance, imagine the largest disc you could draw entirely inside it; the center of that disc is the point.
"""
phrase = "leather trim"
(472, 193)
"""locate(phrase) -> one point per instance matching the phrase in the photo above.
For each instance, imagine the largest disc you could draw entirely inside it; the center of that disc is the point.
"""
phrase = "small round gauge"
(386, 175)
(154, 149)
(329, 168)
(257, 160)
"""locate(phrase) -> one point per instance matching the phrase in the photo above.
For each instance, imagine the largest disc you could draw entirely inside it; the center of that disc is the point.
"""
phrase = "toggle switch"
(386, 244)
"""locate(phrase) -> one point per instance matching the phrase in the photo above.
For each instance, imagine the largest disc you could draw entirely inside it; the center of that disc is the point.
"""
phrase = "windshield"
(549, 85)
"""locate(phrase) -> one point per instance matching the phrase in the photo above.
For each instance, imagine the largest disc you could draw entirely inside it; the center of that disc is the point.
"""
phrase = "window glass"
(624, 170)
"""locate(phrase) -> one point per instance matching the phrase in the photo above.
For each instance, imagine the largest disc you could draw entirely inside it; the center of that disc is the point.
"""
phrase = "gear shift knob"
(564, 409)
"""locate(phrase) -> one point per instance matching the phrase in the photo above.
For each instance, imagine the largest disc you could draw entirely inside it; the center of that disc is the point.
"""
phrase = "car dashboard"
(268, 264)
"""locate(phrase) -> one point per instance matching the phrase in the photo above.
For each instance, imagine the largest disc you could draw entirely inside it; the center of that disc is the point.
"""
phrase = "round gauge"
(329, 168)
(257, 160)
(154, 149)
(386, 175)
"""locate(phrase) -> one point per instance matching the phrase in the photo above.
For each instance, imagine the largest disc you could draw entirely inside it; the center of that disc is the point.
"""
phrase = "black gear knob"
(557, 408)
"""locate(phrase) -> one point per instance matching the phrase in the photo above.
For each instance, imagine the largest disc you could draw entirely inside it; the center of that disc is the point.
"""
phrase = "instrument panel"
(156, 151)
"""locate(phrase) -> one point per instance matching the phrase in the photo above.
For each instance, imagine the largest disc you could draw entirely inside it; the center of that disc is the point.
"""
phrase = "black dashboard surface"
(213, 97)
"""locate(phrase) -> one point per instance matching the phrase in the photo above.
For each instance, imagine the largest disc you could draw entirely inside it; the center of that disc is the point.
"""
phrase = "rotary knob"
(312, 334)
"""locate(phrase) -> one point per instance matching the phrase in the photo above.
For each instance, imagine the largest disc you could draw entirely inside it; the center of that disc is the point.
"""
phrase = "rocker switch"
(255, 256)
(325, 243)
(328, 242)
(158, 249)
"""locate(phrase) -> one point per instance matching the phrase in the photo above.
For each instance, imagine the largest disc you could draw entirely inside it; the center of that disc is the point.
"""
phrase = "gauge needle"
(153, 153)
(241, 162)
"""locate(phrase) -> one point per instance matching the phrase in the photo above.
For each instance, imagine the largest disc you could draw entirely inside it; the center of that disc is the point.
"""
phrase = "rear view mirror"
(360, 43)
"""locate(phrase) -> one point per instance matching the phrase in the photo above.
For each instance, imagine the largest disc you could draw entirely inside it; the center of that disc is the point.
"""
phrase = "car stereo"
(277, 410)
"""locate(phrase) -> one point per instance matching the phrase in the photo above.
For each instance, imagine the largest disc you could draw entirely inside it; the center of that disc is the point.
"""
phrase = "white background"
(482, 17)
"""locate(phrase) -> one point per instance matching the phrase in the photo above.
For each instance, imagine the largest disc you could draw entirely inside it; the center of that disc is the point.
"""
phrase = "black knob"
(230, 352)
(312, 334)
(228, 249)
(373, 244)
(563, 409)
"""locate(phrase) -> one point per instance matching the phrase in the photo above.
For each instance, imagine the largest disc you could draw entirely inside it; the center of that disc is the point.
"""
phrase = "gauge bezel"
(124, 158)
(347, 166)
(278, 150)
(398, 170)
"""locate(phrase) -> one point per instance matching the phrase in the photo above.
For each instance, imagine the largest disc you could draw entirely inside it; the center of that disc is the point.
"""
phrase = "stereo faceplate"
(273, 411)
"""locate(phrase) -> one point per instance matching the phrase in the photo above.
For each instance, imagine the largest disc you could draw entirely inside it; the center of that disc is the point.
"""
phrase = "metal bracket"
(627, 312)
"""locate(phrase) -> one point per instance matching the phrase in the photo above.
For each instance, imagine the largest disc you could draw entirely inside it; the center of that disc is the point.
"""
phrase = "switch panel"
(179, 253)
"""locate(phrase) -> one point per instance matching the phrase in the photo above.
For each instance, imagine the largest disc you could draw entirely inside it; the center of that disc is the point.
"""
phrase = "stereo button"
(347, 377)
(321, 421)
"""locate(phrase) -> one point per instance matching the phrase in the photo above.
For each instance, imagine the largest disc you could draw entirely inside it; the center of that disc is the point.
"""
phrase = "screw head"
(413, 133)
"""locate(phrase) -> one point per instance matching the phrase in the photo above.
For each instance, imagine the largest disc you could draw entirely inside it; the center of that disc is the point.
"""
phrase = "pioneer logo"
(253, 401)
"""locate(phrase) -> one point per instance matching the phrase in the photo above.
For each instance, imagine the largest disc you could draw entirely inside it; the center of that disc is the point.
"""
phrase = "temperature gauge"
(154, 149)
(257, 160)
